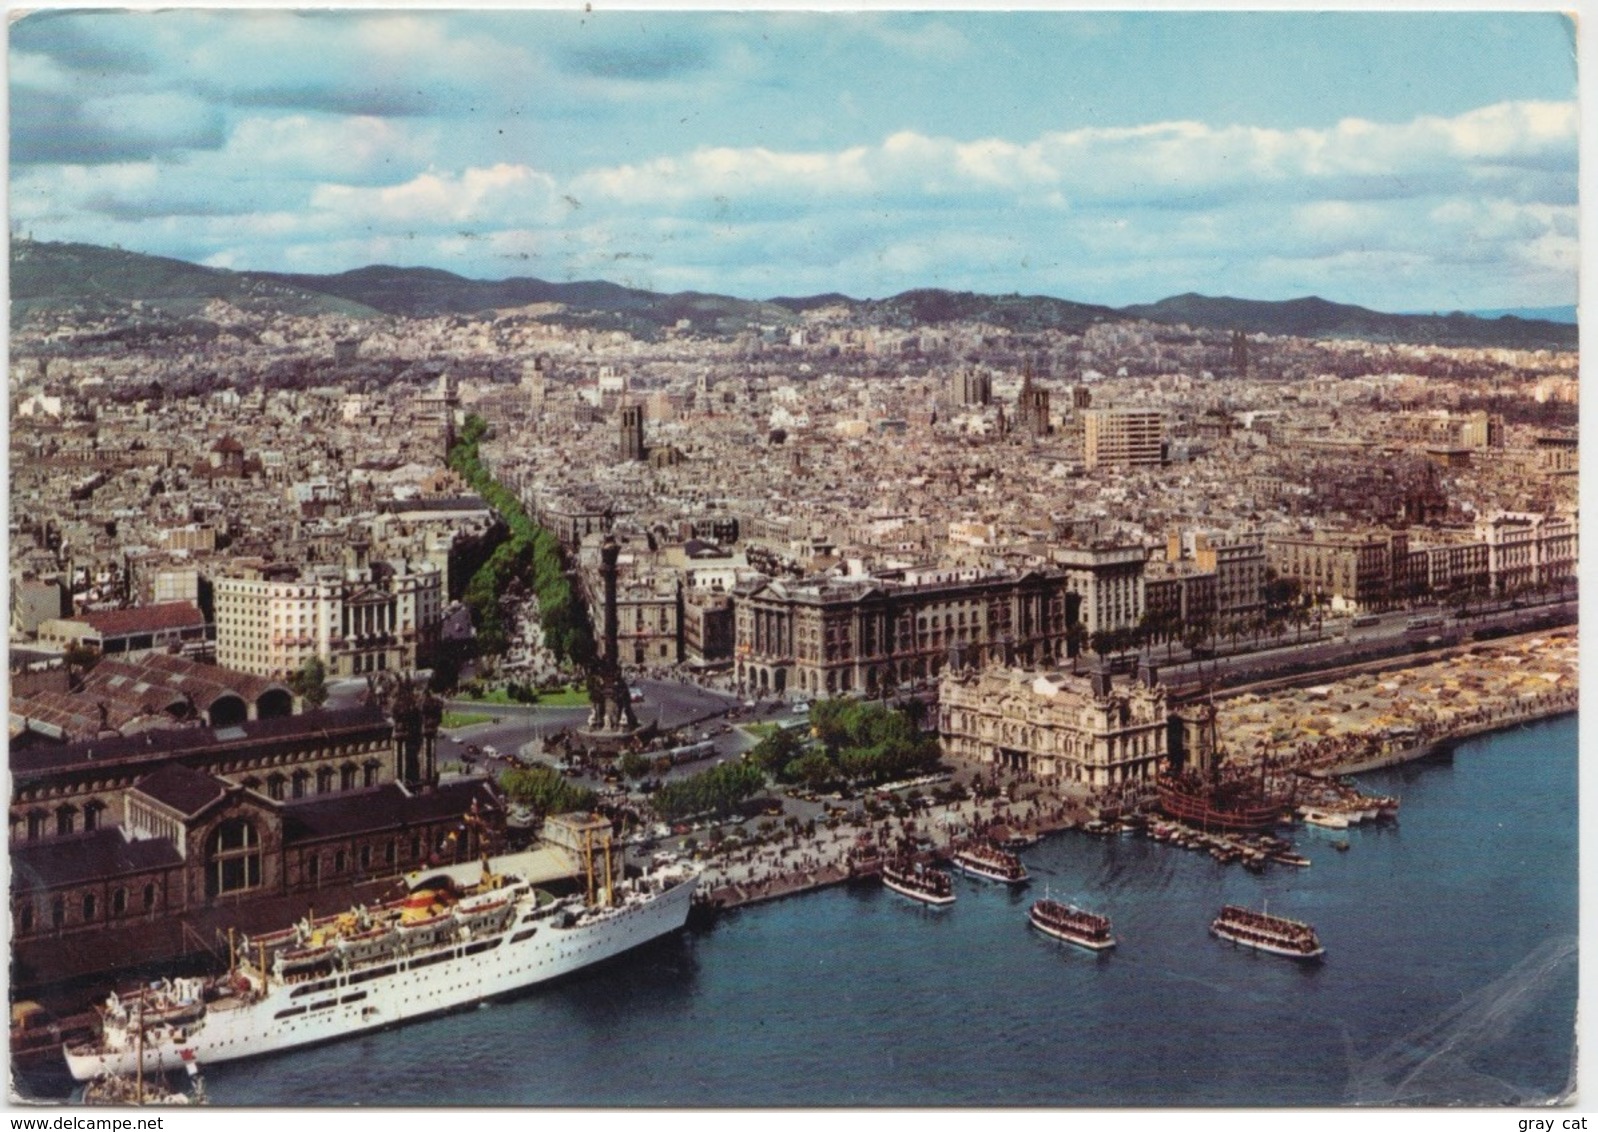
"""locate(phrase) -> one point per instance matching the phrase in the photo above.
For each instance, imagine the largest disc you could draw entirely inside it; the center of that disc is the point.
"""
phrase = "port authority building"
(149, 847)
(1091, 730)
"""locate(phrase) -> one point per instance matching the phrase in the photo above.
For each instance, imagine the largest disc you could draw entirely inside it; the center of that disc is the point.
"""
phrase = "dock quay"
(848, 852)
(1372, 718)
(1353, 720)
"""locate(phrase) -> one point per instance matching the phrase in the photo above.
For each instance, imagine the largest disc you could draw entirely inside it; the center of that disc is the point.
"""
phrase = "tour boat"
(1072, 924)
(990, 863)
(1265, 932)
(919, 882)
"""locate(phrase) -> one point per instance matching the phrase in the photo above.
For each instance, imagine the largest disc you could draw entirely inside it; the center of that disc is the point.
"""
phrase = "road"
(1388, 635)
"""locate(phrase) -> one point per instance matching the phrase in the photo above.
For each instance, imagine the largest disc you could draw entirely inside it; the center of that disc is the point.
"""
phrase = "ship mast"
(588, 861)
(138, 1057)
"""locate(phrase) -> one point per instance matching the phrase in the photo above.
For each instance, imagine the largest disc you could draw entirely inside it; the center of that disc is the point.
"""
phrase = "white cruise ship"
(440, 947)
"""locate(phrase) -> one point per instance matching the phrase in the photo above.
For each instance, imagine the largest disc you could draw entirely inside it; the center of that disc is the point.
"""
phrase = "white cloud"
(358, 148)
(1170, 163)
(1403, 215)
(495, 197)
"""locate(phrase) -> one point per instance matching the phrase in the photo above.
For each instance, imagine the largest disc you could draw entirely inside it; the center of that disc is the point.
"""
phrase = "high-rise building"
(1123, 437)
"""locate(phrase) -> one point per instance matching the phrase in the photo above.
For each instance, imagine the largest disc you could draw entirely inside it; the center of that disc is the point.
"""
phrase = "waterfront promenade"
(1359, 721)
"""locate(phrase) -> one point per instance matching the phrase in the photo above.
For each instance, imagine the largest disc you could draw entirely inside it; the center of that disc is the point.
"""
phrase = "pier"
(1362, 719)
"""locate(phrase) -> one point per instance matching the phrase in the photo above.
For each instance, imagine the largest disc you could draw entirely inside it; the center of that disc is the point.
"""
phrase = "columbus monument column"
(611, 715)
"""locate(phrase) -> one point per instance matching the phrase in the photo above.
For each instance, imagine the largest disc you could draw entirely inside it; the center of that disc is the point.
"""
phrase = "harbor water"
(1450, 977)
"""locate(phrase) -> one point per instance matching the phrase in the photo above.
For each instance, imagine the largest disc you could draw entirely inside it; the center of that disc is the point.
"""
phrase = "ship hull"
(1198, 811)
(1068, 936)
(976, 869)
(426, 983)
(1284, 950)
(915, 894)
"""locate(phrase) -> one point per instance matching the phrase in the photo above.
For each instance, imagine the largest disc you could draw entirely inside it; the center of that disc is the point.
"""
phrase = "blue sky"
(1403, 161)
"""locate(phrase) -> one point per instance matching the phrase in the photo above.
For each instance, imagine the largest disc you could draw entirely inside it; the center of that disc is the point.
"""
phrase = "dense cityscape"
(387, 642)
(1003, 537)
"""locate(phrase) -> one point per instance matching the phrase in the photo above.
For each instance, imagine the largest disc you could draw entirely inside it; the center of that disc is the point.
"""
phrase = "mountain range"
(112, 283)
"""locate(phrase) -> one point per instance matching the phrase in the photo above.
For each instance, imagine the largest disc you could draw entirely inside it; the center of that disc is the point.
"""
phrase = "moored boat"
(919, 882)
(990, 863)
(1264, 932)
(1326, 819)
(1232, 806)
(385, 965)
(1072, 924)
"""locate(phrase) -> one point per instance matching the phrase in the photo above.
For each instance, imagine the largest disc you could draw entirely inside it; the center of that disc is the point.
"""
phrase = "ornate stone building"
(368, 616)
(826, 636)
(1083, 729)
(133, 850)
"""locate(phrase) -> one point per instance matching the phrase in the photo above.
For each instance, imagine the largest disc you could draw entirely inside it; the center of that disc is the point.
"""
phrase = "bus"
(1366, 619)
(1418, 624)
(693, 752)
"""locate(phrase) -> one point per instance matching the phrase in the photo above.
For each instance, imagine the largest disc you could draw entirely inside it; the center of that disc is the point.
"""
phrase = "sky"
(1413, 161)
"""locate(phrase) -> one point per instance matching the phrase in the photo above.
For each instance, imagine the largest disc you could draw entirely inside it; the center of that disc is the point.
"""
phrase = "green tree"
(812, 768)
(775, 751)
(634, 765)
(716, 790)
(544, 789)
(309, 682)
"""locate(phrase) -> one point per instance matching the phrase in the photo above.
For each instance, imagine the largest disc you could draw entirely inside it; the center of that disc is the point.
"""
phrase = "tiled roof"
(101, 855)
(385, 807)
(182, 789)
(155, 746)
(145, 619)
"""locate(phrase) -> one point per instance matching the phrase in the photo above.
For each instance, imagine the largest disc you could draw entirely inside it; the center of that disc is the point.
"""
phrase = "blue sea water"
(1450, 977)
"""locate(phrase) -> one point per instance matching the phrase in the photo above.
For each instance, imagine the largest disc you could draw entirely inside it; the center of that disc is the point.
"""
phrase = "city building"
(359, 618)
(33, 602)
(1441, 566)
(1089, 730)
(1109, 582)
(709, 627)
(168, 627)
(181, 841)
(632, 433)
(1528, 552)
(1350, 570)
(971, 386)
(1236, 558)
(1032, 408)
(1123, 437)
(825, 636)
(122, 696)
(1177, 595)
(1447, 429)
